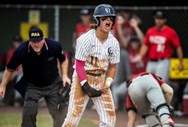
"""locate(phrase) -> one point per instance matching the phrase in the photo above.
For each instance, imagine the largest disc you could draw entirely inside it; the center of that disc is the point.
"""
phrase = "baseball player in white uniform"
(97, 53)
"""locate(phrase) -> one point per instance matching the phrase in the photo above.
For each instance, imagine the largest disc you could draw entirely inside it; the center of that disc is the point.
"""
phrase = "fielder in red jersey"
(159, 43)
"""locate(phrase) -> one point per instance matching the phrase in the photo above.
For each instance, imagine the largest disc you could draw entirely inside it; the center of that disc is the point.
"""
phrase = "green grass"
(14, 120)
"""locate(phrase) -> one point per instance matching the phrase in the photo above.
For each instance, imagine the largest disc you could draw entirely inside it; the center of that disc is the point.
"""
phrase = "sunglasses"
(104, 18)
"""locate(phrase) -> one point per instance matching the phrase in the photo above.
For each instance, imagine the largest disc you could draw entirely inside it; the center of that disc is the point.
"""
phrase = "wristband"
(108, 81)
(82, 82)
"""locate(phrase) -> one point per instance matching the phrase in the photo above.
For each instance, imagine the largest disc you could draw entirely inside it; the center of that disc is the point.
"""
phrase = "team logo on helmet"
(107, 10)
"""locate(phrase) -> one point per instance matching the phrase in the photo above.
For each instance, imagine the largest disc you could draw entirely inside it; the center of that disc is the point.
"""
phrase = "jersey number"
(160, 48)
(94, 60)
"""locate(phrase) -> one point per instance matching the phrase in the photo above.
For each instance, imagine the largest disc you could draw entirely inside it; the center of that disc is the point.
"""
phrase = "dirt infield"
(122, 119)
(92, 114)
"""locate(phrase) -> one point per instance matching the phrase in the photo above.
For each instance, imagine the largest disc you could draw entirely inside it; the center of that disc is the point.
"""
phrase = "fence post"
(56, 28)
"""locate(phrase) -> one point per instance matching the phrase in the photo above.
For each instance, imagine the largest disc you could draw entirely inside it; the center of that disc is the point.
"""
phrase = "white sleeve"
(82, 49)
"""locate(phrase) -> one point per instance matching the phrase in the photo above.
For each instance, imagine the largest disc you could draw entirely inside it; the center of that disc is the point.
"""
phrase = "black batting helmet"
(103, 10)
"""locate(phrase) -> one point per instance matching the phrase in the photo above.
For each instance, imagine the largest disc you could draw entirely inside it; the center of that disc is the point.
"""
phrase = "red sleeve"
(80, 70)
(175, 39)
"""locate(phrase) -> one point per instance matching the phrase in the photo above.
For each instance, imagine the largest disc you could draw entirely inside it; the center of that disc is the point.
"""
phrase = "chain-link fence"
(58, 21)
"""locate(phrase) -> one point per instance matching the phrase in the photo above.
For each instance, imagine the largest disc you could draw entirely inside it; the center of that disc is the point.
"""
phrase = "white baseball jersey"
(97, 55)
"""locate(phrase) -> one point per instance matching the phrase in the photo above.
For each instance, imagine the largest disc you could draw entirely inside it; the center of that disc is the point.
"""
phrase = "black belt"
(94, 74)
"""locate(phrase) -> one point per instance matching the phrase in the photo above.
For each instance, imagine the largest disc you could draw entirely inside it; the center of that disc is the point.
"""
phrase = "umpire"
(39, 58)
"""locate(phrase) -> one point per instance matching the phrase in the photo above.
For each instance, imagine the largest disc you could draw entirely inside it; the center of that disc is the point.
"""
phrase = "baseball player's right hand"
(91, 92)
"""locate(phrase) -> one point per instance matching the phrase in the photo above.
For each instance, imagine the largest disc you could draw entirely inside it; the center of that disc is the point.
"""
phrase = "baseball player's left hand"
(66, 80)
(90, 91)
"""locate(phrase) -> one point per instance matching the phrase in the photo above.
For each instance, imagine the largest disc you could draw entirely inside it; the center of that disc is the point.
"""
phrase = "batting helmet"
(103, 10)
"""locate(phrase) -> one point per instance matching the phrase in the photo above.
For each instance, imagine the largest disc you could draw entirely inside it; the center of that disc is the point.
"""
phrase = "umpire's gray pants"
(51, 96)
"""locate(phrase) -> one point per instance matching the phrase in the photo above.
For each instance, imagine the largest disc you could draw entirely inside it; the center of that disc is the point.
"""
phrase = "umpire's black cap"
(160, 14)
(35, 34)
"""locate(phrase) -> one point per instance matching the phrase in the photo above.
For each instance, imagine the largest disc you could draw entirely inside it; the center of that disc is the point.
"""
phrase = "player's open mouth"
(107, 25)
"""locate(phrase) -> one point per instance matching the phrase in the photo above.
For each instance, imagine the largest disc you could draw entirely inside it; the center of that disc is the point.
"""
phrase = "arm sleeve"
(175, 39)
(60, 54)
(82, 49)
(80, 70)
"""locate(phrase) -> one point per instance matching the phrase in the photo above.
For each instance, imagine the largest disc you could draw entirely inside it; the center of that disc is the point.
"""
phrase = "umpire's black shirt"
(39, 70)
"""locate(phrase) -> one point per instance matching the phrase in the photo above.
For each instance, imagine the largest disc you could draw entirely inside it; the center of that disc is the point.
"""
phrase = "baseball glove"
(91, 92)
(64, 95)
(64, 92)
